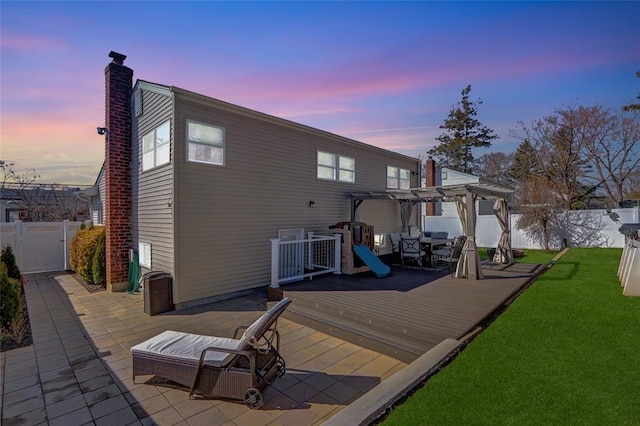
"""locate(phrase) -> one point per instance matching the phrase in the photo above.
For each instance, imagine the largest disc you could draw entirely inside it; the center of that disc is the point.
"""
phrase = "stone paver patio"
(78, 371)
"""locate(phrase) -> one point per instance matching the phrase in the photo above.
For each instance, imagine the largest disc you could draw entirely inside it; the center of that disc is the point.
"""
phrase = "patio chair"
(238, 368)
(395, 242)
(411, 250)
(450, 256)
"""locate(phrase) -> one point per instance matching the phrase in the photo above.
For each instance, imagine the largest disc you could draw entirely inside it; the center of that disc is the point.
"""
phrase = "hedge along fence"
(10, 305)
(87, 254)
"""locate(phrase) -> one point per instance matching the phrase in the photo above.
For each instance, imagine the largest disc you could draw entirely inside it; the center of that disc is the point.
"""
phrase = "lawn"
(567, 351)
(530, 256)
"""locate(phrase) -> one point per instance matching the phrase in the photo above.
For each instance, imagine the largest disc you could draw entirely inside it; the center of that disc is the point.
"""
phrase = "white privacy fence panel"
(42, 246)
(39, 246)
(449, 224)
(580, 228)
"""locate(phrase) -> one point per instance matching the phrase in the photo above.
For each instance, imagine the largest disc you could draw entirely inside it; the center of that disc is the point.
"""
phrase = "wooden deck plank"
(421, 308)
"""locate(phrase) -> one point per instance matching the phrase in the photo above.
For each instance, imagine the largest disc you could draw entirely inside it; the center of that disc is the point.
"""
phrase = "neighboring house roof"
(93, 191)
(9, 194)
(455, 177)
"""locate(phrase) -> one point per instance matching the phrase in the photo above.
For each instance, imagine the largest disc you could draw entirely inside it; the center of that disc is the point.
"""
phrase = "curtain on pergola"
(469, 263)
(405, 214)
(503, 252)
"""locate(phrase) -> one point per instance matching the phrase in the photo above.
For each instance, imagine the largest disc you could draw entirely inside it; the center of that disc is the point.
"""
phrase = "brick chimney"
(430, 171)
(117, 168)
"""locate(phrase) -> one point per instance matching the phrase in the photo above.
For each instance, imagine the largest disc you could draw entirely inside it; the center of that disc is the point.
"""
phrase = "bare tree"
(560, 154)
(611, 142)
(496, 166)
(538, 204)
(14, 178)
(632, 186)
(39, 202)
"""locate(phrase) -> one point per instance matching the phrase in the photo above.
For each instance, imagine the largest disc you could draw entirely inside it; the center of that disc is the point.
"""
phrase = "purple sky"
(384, 73)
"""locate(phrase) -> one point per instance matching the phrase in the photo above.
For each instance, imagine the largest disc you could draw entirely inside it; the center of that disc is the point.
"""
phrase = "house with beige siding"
(200, 186)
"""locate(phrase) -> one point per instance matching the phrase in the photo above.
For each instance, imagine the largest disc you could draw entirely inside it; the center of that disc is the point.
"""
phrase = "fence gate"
(39, 246)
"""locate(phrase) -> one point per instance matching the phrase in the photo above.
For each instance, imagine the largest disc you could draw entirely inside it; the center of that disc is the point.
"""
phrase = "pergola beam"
(471, 268)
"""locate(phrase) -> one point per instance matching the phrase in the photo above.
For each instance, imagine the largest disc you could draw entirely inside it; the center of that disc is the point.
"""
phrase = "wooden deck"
(407, 313)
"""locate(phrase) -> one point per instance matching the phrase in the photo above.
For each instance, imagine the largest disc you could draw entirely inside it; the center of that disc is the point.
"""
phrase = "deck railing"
(300, 259)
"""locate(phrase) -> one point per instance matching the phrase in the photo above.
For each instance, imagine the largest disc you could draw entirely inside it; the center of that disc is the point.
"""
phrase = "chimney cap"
(118, 58)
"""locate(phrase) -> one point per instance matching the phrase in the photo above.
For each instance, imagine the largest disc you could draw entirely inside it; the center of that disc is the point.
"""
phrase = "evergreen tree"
(525, 162)
(462, 133)
(9, 259)
(633, 107)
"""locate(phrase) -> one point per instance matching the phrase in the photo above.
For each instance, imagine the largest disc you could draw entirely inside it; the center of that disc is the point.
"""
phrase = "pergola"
(464, 196)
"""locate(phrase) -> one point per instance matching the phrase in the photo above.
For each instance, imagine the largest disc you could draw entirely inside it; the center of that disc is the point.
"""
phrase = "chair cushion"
(189, 346)
(439, 235)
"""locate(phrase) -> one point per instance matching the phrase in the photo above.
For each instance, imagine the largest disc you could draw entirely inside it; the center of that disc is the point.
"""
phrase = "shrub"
(99, 267)
(9, 298)
(82, 250)
(9, 260)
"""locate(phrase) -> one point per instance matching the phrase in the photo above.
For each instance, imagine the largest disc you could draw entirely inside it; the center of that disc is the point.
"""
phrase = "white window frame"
(195, 144)
(144, 254)
(158, 145)
(338, 167)
(400, 182)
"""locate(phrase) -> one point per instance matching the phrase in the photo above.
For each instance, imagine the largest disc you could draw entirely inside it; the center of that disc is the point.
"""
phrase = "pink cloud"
(57, 145)
(28, 44)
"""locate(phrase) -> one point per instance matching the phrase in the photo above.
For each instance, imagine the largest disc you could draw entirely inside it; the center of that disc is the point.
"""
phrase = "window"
(398, 178)
(144, 254)
(156, 146)
(336, 167)
(205, 143)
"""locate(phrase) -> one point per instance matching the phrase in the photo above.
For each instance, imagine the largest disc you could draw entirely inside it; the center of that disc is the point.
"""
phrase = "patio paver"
(78, 371)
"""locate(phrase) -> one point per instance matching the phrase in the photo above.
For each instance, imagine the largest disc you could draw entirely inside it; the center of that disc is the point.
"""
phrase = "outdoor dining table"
(429, 243)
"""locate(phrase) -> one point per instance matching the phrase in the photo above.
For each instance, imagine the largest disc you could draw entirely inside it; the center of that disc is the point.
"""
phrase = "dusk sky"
(384, 73)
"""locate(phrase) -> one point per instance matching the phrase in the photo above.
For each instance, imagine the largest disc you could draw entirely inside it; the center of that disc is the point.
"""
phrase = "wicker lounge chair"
(238, 368)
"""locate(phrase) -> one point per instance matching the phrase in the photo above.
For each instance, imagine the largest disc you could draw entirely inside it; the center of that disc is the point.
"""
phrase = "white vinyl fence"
(39, 246)
(580, 228)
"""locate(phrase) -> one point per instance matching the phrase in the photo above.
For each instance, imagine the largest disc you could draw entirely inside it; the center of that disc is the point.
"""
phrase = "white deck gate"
(321, 255)
(39, 246)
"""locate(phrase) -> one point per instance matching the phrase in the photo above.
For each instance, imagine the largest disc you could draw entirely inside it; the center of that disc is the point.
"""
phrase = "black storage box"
(158, 294)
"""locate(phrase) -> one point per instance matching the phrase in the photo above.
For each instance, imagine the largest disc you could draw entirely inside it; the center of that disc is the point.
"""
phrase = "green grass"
(530, 256)
(567, 351)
